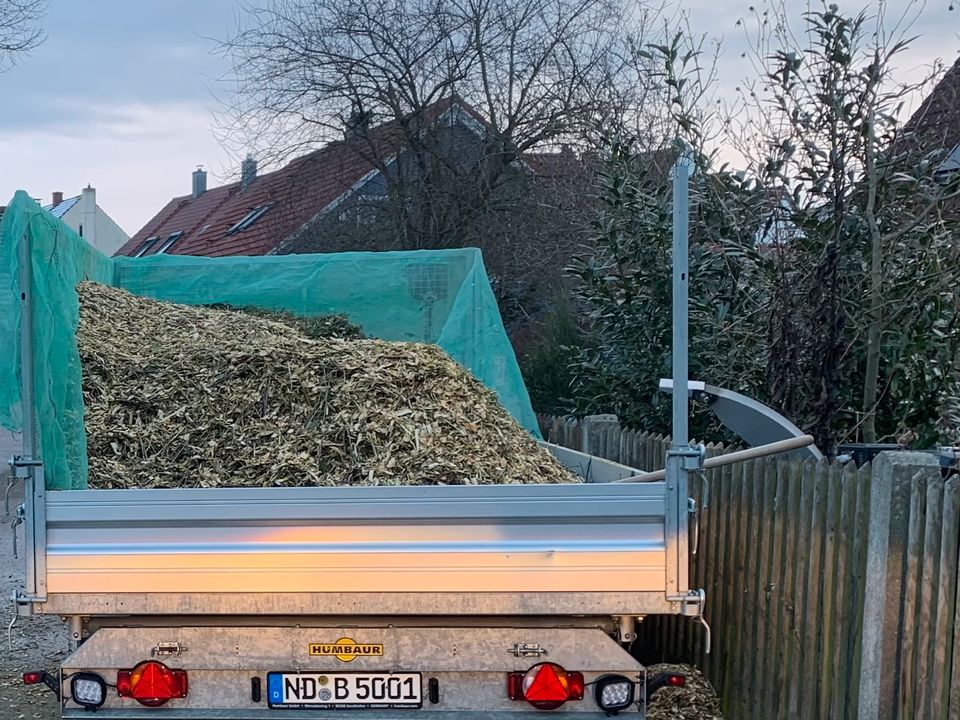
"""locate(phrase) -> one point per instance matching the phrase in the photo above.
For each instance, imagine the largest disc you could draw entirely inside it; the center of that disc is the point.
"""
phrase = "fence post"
(592, 429)
(891, 477)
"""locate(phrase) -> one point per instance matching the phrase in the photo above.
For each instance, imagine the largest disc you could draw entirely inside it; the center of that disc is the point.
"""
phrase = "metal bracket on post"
(680, 463)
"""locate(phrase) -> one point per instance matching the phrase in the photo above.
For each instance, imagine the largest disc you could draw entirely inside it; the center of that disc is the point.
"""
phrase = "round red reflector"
(547, 686)
(152, 683)
(676, 680)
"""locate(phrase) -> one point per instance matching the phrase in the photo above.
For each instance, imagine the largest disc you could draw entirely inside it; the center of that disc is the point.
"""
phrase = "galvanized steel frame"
(27, 466)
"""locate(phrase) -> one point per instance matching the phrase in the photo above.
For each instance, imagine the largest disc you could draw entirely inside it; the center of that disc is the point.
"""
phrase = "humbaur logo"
(346, 649)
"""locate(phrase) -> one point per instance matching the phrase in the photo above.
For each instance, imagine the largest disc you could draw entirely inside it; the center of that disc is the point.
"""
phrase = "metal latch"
(165, 649)
(694, 520)
(528, 650)
(17, 520)
(691, 605)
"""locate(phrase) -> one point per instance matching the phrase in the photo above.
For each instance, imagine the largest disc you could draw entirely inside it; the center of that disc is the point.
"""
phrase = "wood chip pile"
(315, 326)
(181, 396)
(694, 701)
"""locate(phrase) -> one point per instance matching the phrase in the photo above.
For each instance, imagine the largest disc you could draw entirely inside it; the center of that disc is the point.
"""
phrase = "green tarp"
(435, 296)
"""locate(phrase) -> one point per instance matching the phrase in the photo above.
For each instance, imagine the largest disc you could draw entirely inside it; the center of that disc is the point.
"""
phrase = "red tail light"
(32, 678)
(152, 683)
(546, 686)
(676, 680)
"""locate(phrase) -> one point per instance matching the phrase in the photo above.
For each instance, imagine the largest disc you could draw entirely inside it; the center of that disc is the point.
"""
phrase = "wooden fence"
(831, 591)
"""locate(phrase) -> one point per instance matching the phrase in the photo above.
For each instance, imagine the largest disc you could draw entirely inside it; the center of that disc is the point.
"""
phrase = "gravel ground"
(36, 642)
(695, 701)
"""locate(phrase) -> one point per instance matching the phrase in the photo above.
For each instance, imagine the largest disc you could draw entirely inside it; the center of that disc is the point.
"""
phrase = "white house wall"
(108, 236)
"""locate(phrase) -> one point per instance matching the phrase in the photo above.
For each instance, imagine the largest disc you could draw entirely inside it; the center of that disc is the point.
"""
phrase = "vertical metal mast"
(681, 283)
(681, 458)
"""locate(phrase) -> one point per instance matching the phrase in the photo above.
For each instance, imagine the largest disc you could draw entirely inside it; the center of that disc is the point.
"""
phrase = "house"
(307, 205)
(88, 220)
(935, 125)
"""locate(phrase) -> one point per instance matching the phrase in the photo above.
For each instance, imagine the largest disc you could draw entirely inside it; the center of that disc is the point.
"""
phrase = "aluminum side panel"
(556, 539)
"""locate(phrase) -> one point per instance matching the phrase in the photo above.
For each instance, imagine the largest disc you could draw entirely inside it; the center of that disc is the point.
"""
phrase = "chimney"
(57, 198)
(357, 124)
(248, 171)
(200, 181)
(88, 214)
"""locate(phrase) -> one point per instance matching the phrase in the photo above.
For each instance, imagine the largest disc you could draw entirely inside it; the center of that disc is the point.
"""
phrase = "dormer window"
(249, 219)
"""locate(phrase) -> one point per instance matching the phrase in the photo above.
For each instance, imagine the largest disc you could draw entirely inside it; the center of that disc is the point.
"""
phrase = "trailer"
(241, 603)
(311, 602)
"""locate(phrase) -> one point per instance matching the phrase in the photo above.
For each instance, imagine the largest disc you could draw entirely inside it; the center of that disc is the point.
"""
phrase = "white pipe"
(734, 457)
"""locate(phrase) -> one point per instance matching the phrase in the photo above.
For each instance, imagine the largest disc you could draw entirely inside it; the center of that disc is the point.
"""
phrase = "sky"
(124, 94)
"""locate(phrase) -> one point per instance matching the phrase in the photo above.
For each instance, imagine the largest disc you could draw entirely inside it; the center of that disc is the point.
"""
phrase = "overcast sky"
(122, 95)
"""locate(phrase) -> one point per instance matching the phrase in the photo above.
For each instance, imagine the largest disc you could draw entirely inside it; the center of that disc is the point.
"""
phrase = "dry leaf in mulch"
(695, 701)
(184, 396)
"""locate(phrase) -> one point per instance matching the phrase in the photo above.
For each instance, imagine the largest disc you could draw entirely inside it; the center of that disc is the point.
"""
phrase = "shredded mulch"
(186, 396)
(695, 701)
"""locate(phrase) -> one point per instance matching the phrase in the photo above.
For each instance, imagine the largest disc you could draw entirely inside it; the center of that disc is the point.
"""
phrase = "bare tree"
(20, 29)
(302, 68)
(377, 74)
(535, 70)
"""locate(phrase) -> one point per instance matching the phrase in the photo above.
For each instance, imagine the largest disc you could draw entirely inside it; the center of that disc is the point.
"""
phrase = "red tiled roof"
(297, 192)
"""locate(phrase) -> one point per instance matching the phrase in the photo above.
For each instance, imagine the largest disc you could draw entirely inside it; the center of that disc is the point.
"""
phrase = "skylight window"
(249, 219)
(170, 241)
(951, 164)
(147, 244)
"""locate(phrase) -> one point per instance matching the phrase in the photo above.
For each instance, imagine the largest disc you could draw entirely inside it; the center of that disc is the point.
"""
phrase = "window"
(170, 241)
(147, 244)
(249, 219)
(950, 165)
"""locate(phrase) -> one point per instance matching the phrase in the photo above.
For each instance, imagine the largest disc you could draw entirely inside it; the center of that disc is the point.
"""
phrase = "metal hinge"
(21, 466)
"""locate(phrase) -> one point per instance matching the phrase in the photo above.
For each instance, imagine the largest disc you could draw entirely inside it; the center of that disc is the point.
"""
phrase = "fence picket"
(909, 601)
(786, 622)
(929, 570)
(733, 601)
(753, 605)
(831, 588)
(719, 608)
(770, 595)
(797, 701)
(842, 541)
(945, 601)
(858, 595)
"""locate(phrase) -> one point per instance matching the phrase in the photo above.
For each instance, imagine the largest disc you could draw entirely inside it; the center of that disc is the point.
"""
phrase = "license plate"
(344, 691)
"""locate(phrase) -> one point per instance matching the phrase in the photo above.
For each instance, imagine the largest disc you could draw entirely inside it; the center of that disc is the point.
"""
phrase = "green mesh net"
(435, 296)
